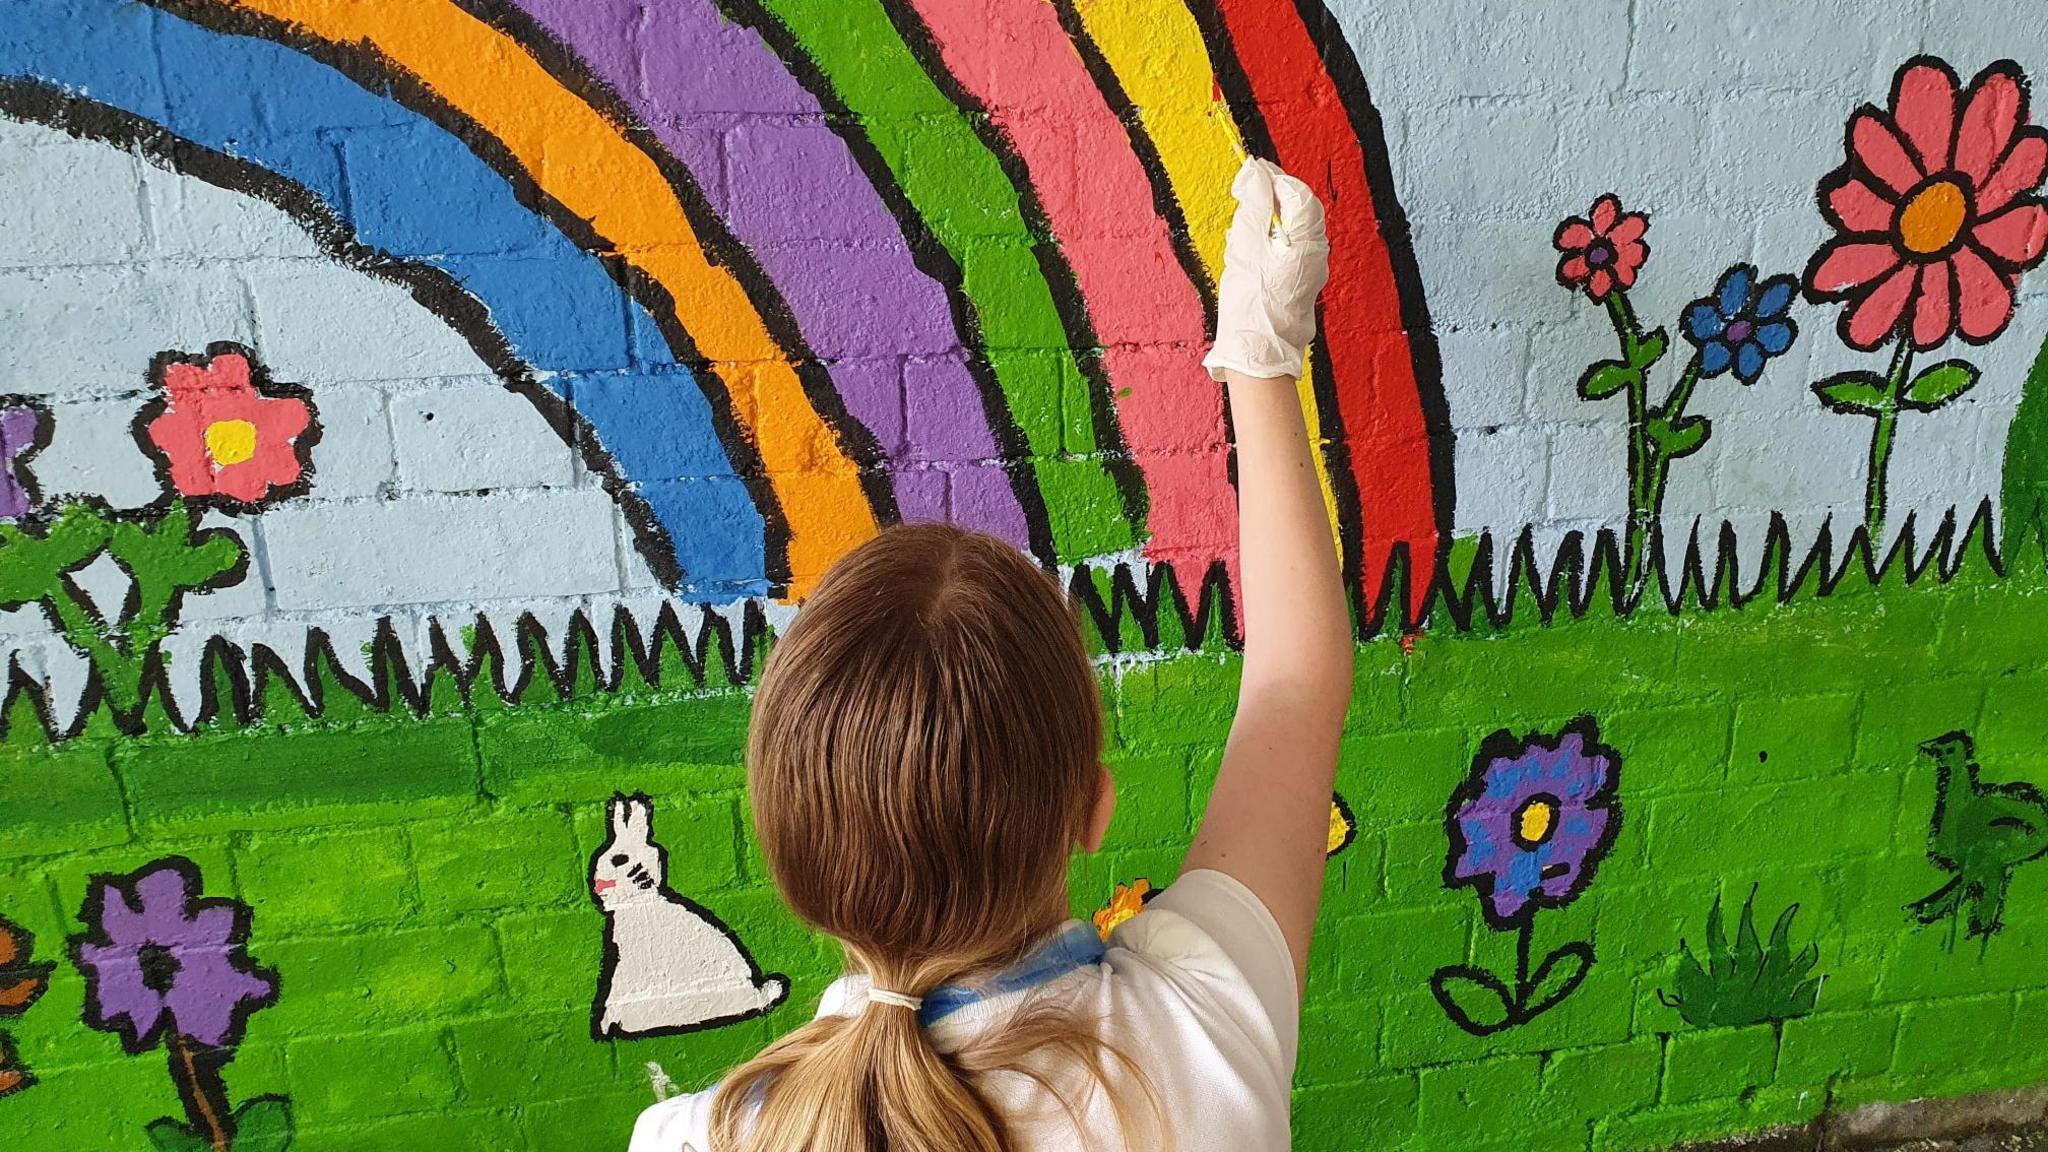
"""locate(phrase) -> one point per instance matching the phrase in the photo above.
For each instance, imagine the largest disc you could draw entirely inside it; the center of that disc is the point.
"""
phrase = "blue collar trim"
(1080, 946)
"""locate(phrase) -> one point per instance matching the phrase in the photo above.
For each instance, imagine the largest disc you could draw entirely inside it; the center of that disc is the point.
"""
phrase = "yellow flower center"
(1934, 217)
(1340, 829)
(230, 441)
(1535, 821)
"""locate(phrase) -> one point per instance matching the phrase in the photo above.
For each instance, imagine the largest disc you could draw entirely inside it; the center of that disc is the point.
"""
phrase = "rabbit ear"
(640, 816)
(620, 815)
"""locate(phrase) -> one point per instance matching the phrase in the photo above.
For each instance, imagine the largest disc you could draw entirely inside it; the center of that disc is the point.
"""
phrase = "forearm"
(1297, 627)
(1269, 811)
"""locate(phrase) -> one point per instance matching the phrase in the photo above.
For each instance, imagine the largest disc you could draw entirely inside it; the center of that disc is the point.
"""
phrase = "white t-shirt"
(1198, 990)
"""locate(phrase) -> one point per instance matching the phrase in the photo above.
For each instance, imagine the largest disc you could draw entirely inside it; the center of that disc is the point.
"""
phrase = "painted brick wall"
(416, 420)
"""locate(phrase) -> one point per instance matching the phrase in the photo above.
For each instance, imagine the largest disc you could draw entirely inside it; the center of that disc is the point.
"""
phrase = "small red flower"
(1936, 209)
(222, 438)
(1604, 251)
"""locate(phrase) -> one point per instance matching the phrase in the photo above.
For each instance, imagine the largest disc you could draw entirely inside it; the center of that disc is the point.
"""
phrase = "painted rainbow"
(1025, 200)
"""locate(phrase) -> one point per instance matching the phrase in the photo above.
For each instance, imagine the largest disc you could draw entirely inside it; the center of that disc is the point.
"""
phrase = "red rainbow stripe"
(1383, 372)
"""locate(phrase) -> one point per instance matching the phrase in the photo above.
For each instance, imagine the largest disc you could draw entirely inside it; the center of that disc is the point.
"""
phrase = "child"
(925, 756)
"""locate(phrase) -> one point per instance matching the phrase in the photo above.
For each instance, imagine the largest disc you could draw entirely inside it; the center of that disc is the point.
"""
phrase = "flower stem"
(1639, 510)
(1525, 940)
(1659, 476)
(1881, 438)
(197, 1076)
(1681, 394)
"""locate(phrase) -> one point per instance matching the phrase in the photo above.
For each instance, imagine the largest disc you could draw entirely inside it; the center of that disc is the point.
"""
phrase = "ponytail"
(873, 1082)
(861, 1083)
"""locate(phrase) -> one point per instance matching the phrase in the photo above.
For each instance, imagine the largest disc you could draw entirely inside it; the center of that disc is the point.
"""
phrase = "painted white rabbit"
(669, 965)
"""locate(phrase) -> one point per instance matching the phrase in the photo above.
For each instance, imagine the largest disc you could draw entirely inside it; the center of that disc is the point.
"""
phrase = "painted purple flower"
(160, 958)
(22, 431)
(1531, 824)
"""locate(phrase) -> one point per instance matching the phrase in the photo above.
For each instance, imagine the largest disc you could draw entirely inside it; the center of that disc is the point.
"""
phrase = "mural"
(166, 967)
(1982, 832)
(1748, 980)
(23, 980)
(670, 966)
(418, 420)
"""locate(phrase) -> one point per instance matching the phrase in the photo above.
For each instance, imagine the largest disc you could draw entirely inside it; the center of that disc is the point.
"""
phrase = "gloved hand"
(1266, 302)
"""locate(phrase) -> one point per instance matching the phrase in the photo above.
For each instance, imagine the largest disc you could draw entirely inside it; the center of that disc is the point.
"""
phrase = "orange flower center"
(230, 442)
(1932, 219)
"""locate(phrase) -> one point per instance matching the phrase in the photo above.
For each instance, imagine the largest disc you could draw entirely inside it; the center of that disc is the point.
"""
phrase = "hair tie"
(894, 999)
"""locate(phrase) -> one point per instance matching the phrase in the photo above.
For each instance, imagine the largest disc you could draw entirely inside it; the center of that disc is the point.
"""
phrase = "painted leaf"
(1940, 384)
(1677, 440)
(1649, 349)
(22, 980)
(14, 1075)
(263, 1125)
(167, 1135)
(1474, 1000)
(2023, 498)
(1853, 393)
(17, 992)
(1557, 977)
(1606, 378)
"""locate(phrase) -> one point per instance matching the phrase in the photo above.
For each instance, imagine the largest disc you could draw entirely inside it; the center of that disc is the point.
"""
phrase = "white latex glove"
(1266, 302)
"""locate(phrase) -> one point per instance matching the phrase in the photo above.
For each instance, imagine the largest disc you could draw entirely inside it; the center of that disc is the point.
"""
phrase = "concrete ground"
(2032, 1138)
(2028, 1140)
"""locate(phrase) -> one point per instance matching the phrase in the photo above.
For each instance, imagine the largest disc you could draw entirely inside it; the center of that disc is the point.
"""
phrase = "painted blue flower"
(1534, 819)
(1743, 324)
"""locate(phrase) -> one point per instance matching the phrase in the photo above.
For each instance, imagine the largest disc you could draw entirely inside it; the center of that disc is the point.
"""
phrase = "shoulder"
(1211, 942)
(678, 1124)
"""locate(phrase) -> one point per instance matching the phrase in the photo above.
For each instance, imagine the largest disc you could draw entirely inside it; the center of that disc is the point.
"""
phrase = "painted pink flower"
(1603, 250)
(1936, 209)
(220, 436)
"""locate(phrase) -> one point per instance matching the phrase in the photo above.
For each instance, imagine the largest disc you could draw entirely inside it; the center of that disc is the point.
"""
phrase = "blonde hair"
(924, 754)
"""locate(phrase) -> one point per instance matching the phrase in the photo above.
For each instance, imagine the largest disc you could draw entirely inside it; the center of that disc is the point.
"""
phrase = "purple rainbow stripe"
(790, 190)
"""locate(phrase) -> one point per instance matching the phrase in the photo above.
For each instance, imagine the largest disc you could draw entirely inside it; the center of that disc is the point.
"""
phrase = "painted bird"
(1982, 832)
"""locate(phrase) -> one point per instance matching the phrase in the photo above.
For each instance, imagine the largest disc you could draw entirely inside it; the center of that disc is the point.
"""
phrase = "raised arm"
(1269, 816)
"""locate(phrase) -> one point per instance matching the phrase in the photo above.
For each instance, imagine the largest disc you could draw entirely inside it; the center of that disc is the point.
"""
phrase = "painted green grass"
(418, 881)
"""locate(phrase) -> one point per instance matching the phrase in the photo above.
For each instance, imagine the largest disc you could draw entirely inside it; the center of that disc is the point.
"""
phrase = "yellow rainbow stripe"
(583, 162)
(1155, 49)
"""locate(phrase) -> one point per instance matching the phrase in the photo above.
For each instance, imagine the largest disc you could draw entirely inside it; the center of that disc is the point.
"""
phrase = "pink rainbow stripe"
(1014, 58)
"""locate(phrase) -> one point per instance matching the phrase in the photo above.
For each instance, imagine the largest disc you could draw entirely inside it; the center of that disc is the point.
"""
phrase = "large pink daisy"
(1936, 209)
